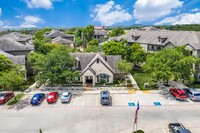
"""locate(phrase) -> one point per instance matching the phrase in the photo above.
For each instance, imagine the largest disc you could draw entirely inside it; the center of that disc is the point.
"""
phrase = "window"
(103, 77)
(76, 64)
(98, 60)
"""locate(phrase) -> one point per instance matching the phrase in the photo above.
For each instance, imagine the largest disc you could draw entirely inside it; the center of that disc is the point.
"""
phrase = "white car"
(66, 96)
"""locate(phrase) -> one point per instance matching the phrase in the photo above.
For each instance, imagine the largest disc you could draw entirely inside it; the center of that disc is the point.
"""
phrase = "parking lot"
(118, 100)
(85, 113)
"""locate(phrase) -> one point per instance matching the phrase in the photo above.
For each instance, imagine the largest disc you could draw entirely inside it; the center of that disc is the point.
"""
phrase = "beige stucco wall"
(144, 46)
(88, 73)
(100, 68)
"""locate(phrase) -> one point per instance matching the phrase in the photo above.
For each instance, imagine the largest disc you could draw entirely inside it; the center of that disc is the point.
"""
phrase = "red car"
(52, 97)
(4, 97)
(178, 93)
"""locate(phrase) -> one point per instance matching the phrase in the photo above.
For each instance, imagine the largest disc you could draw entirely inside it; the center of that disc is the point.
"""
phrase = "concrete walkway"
(135, 85)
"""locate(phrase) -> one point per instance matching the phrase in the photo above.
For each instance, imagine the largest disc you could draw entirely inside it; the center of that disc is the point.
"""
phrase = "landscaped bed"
(141, 78)
(15, 99)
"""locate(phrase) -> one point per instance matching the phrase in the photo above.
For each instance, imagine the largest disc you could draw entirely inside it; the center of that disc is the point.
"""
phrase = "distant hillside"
(186, 27)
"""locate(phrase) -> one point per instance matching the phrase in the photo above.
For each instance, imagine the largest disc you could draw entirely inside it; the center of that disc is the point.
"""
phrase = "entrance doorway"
(89, 80)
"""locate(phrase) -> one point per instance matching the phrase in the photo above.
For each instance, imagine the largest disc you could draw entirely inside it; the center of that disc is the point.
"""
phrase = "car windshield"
(105, 98)
(66, 95)
(35, 98)
(198, 94)
(50, 96)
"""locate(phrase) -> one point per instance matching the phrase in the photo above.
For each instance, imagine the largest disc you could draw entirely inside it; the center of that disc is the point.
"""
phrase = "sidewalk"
(135, 86)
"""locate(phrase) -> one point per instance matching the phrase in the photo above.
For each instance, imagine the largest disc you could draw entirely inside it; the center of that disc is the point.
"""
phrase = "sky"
(79, 13)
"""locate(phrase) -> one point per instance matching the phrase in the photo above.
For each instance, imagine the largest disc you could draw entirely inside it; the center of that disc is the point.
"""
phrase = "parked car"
(105, 98)
(178, 93)
(66, 97)
(178, 128)
(52, 97)
(192, 94)
(5, 97)
(37, 98)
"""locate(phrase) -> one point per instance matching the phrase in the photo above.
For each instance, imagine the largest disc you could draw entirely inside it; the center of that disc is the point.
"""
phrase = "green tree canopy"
(11, 80)
(169, 64)
(114, 48)
(91, 48)
(124, 67)
(136, 54)
(39, 35)
(79, 32)
(116, 32)
(54, 68)
(71, 31)
(79, 41)
(5, 63)
(11, 75)
(94, 42)
(88, 32)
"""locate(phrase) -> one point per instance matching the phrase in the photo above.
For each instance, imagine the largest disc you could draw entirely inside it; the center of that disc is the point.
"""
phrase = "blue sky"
(72, 13)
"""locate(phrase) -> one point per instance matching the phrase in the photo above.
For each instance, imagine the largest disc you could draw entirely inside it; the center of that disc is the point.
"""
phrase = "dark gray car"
(106, 98)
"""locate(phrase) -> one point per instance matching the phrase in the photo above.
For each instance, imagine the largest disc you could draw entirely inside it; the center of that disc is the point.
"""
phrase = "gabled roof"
(87, 58)
(15, 59)
(62, 40)
(178, 38)
(56, 33)
(98, 56)
(9, 44)
(100, 32)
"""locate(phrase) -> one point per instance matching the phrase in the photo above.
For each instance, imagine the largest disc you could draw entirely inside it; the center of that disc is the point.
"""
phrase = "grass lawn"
(13, 101)
(141, 78)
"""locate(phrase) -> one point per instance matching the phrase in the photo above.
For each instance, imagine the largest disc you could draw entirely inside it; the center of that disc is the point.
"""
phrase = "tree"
(91, 48)
(94, 42)
(114, 48)
(11, 75)
(71, 31)
(136, 54)
(170, 64)
(88, 32)
(79, 32)
(79, 41)
(47, 47)
(39, 35)
(5, 63)
(57, 67)
(116, 32)
(124, 67)
(11, 80)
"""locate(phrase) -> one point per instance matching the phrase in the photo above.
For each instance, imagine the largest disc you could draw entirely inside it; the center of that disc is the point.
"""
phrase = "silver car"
(66, 96)
(192, 94)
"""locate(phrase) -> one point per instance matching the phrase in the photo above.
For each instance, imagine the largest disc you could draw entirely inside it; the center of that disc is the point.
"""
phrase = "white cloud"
(19, 16)
(46, 4)
(185, 18)
(195, 10)
(29, 22)
(109, 13)
(150, 10)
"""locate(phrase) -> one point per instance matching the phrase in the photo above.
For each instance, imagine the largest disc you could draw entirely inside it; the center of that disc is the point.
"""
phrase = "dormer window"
(135, 38)
(97, 60)
(162, 39)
